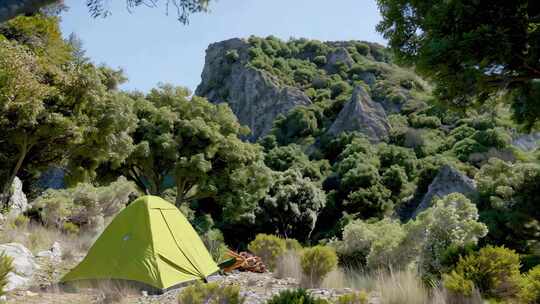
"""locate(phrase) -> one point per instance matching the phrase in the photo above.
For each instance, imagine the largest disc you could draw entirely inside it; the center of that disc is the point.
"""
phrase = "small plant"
(215, 243)
(293, 245)
(268, 247)
(316, 263)
(493, 270)
(530, 286)
(211, 293)
(295, 296)
(21, 221)
(70, 228)
(353, 298)
(6, 266)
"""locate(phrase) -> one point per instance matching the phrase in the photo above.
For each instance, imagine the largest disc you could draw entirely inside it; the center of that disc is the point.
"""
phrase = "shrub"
(296, 296)
(232, 56)
(6, 266)
(85, 205)
(293, 245)
(452, 221)
(211, 293)
(316, 263)
(373, 243)
(493, 270)
(463, 148)
(70, 228)
(268, 247)
(353, 298)
(530, 290)
(424, 121)
(21, 221)
(215, 243)
(319, 60)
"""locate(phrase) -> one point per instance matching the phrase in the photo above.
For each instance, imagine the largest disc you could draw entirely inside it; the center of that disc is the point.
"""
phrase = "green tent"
(150, 242)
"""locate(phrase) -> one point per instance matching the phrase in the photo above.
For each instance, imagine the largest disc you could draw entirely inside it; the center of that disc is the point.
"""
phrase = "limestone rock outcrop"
(18, 203)
(24, 265)
(448, 180)
(363, 115)
(255, 96)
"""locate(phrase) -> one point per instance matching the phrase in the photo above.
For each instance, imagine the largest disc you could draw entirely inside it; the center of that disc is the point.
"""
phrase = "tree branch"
(11, 8)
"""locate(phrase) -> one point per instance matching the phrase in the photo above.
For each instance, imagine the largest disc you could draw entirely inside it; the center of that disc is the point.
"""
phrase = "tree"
(53, 111)
(292, 205)
(98, 8)
(196, 144)
(509, 203)
(474, 50)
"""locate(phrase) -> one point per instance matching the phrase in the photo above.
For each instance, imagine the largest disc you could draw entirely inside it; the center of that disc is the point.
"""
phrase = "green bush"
(296, 296)
(530, 286)
(424, 121)
(21, 221)
(211, 293)
(70, 228)
(268, 247)
(293, 244)
(493, 270)
(232, 56)
(215, 243)
(6, 266)
(353, 298)
(316, 263)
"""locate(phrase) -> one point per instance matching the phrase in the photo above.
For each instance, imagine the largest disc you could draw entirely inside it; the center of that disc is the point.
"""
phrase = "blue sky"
(152, 47)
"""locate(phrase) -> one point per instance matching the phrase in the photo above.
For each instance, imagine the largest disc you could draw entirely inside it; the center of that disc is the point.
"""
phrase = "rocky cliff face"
(448, 180)
(363, 115)
(255, 96)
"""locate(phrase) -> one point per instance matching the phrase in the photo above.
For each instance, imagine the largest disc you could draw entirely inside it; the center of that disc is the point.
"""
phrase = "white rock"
(23, 264)
(54, 253)
(18, 203)
(16, 281)
(3, 299)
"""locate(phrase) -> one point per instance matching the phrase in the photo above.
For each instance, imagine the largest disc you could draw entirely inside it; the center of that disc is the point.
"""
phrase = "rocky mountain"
(256, 97)
(264, 78)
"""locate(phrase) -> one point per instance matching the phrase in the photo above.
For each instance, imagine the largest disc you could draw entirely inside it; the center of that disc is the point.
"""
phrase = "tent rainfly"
(150, 242)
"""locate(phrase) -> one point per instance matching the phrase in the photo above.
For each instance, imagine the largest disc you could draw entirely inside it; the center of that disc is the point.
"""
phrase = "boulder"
(55, 253)
(255, 96)
(527, 142)
(448, 180)
(18, 203)
(340, 55)
(363, 115)
(23, 263)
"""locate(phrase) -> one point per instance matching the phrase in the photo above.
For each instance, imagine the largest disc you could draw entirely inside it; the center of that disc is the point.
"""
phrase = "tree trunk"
(7, 186)
(12, 8)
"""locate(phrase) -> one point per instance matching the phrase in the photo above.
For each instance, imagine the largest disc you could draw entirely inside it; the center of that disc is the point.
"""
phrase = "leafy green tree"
(473, 50)
(509, 203)
(292, 157)
(452, 221)
(196, 143)
(53, 111)
(292, 205)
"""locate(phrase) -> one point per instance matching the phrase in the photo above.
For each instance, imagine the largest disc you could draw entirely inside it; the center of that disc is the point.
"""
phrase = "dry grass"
(349, 278)
(288, 266)
(37, 237)
(401, 288)
(115, 292)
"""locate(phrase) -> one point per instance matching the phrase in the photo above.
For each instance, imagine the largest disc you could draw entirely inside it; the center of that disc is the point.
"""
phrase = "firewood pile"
(245, 261)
